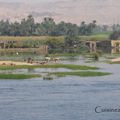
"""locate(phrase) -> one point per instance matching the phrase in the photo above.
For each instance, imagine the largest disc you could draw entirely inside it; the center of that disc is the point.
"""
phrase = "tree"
(27, 26)
(82, 29)
(71, 41)
(61, 29)
(115, 35)
(23, 28)
(15, 29)
(30, 24)
(4, 27)
(91, 27)
(87, 29)
(55, 45)
(47, 26)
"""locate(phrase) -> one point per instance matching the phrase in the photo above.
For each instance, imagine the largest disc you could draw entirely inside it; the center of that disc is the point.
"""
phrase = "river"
(66, 98)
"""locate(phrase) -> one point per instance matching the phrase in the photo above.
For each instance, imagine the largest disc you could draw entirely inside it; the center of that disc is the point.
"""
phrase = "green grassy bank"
(67, 66)
(17, 76)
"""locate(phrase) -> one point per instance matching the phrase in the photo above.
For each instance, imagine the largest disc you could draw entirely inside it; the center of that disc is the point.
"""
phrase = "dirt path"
(13, 63)
(115, 60)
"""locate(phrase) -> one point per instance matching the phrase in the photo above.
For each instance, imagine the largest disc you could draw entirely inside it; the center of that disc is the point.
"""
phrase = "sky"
(75, 11)
(28, 0)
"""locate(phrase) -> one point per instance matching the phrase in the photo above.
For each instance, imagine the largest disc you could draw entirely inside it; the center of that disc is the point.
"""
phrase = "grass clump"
(81, 74)
(17, 76)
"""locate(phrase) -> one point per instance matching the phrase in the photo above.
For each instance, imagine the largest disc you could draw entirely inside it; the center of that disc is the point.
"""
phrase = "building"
(104, 46)
(18, 46)
(115, 46)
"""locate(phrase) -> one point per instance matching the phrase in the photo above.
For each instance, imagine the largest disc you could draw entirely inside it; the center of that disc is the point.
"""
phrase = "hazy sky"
(28, 0)
(104, 11)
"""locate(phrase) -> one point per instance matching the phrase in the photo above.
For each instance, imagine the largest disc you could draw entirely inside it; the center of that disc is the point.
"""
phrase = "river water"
(66, 98)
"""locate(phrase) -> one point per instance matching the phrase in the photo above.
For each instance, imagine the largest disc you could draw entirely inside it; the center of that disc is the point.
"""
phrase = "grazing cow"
(47, 59)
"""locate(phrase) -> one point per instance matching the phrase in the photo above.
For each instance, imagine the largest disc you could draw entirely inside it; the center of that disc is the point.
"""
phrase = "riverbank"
(115, 61)
(9, 65)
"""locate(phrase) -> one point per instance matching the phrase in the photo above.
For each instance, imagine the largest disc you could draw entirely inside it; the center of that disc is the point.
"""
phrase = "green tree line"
(48, 27)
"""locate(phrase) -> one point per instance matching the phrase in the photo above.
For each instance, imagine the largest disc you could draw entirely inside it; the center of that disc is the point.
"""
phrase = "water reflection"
(31, 70)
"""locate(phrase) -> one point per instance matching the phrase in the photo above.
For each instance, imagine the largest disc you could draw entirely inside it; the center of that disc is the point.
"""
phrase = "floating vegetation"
(81, 74)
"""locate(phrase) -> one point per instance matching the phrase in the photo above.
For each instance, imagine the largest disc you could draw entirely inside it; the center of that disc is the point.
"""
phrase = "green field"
(97, 37)
(102, 36)
(31, 38)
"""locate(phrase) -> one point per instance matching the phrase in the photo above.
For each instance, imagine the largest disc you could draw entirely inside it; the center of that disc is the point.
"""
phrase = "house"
(115, 46)
(6, 43)
(104, 46)
(18, 46)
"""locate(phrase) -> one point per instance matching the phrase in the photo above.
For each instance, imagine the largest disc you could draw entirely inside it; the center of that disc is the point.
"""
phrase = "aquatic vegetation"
(69, 66)
(95, 56)
(81, 74)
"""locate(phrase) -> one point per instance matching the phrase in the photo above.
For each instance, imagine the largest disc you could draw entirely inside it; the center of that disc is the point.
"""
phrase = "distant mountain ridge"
(75, 11)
